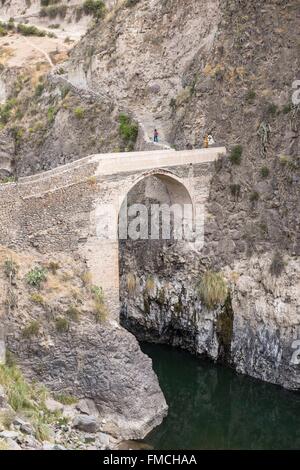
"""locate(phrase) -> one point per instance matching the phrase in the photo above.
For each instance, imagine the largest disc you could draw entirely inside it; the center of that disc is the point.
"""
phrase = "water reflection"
(213, 408)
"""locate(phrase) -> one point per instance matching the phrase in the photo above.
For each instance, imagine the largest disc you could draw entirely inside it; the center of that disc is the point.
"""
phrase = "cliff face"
(57, 326)
(255, 331)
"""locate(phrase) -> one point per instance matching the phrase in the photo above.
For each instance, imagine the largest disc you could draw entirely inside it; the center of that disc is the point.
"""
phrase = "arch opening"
(158, 208)
(148, 263)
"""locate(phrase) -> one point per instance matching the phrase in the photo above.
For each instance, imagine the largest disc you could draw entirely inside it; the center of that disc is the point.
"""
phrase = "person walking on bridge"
(205, 141)
(155, 138)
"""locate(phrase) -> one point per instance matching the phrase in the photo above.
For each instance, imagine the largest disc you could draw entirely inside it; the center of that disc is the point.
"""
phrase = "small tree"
(236, 155)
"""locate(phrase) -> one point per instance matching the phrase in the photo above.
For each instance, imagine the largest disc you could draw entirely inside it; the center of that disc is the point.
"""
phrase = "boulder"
(51, 446)
(87, 407)
(114, 373)
(12, 445)
(9, 434)
(86, 423)
(24, 427)
(53, 405)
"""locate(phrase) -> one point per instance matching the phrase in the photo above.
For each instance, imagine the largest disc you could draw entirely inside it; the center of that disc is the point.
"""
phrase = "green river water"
(211, 407)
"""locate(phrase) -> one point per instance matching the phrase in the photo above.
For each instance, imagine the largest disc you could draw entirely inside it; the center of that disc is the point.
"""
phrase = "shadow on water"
(211, 407)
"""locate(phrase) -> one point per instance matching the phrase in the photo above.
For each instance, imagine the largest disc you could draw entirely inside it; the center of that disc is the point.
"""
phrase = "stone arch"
(162, 188)
(178, 190)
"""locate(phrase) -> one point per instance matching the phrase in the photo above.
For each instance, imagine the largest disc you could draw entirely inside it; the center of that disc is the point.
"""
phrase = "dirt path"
(41, 51)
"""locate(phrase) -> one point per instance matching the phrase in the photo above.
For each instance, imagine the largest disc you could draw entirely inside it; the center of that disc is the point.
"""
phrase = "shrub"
(250, 96)
(61, 70)
(277, 264)
(32, 329)
(3, 30)
(8, 179)
(37, 299)
(11, 300)
(92, 180)
(271, 109)
(235, 190)
(36, 276)
(285, 160)
(30, 30)
(254, 196)
(131, 283)
(5, 110)
(150, 285)
(52, 11)
(287, 108)
(46, 3)
(73, 312)
(65, 398)
(79, 113)
(212, 289)
(264, 172)
(17, 134)
(264, 228)
(39, 89)
(86, 278)
(236, 155)
(78, 13)
(53, 266)
(61, 324)
(173, 103)
(51, 113)
(95, 8)
(131, 3)
(99, 301)
(6, 418)
(219, 73)
(64, 91)
(128, 129)
(10, 268)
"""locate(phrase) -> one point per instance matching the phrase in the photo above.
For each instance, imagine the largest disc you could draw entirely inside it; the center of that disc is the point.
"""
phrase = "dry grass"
(53, 266)
(92, 181)
(3, 445)
(6, 418)
(131, 283)
(27, 399)
(73, 313)
(150, 286)
(100, 307)
(32, 329)
(37, 299)
(212, 289)
(86, 278)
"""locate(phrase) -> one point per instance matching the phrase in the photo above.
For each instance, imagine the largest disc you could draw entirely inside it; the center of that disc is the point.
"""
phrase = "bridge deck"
(112, 163)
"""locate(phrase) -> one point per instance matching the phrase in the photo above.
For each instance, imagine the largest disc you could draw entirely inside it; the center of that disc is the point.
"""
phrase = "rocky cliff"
(57, 327)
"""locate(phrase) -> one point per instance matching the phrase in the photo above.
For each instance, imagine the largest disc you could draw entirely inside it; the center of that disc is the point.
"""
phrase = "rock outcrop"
(61, 337)
(254, 331)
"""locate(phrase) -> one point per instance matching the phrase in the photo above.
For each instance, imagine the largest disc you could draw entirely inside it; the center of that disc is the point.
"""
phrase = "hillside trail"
(42, 51)
(145, 121)
(148, 124)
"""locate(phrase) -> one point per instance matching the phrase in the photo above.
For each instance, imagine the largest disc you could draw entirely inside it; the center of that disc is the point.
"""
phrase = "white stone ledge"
(114, 163)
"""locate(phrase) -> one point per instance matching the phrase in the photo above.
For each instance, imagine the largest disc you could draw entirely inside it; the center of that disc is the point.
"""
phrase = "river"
(211, 407)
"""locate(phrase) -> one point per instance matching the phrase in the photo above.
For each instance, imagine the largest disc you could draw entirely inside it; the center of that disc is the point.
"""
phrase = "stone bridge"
(61, 210)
